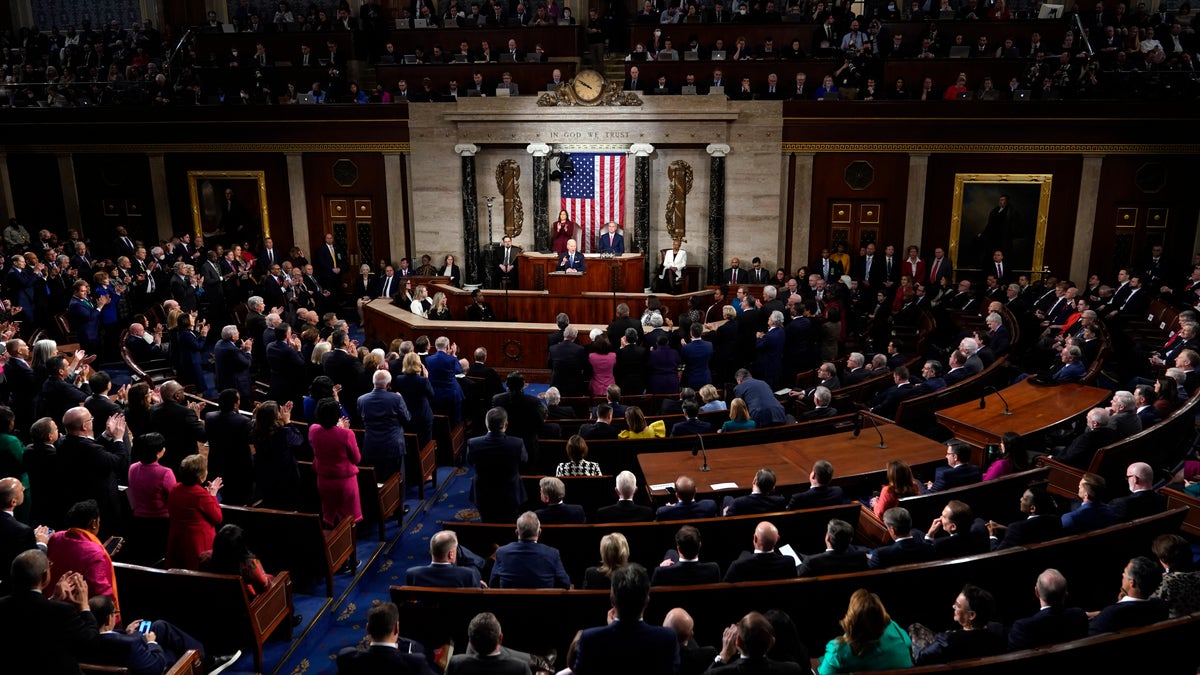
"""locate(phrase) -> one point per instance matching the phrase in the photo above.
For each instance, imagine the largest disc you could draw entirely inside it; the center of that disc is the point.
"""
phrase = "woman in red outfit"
(562, 230)
(194, 514)
(335, 460)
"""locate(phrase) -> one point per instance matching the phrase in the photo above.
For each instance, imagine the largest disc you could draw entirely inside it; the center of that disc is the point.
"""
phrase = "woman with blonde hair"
(413, 385)
(712, 399)
(635, 420)
(739, 417)
(614, 554)
(870, 641)
(421, 304)
(440, 311)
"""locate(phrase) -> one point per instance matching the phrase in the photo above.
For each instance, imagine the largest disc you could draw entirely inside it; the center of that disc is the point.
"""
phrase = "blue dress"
(417, 392)
(663, 364)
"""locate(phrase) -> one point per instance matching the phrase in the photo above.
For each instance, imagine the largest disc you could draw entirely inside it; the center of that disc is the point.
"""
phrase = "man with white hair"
(625, 510)
(998, 334)
(256, 324)
(556, 511)
(855, 369)
(970, 347)
(768, 359)
(568, 364)
(1098, 434)
(231, 361)
(384, 415)
(1122, 411)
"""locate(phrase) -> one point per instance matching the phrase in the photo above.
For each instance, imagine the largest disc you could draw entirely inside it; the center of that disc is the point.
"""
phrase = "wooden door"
(352, 221)
(1135, 230)
(856, 224)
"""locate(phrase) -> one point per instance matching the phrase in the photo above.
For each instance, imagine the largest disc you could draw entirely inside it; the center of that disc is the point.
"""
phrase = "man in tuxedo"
(387, 652)
(760, 499)
(1054, 622)
(611, 241)
(497, 458)
(908, 545)
(527, 564)
(607, 649)
(572, 260)
(764, 563)
(16, 537)
(444, 571)
(819, 492)
(686, 506)
(53, 626)
(625, 510)
(1136, 607)
(1041, 523)
(957, 472)
(734, 275)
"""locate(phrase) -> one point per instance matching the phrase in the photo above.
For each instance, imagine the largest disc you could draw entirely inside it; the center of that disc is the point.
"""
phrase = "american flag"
(594, 194)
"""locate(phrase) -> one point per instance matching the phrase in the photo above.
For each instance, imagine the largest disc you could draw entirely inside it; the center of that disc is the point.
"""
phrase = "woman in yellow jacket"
(637, 427)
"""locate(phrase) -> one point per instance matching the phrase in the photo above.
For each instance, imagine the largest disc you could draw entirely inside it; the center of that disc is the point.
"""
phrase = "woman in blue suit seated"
(828, 90)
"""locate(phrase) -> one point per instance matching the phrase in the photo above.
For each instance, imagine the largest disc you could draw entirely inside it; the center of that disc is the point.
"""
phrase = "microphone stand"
(993, 390)
(858, 428)
(703, 467)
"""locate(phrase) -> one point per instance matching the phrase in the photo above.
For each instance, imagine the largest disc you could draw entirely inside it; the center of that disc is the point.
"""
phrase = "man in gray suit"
(384, 415)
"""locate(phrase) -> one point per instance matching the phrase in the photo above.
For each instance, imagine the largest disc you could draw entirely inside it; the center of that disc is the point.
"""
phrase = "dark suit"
(181, 428)
(92, 469)
(51, 634)
(817, 495)
(754, 503)
(701, 508)
(1149, 416)
(901, 552)
(768, 360)
(758, 396)
(85, 321)
(598, 432)
(607, 649)
(959, 545)
(380, 659)
(1088, 516)
(760, 567)
(853, 559)
(954, 476)
(691, 427)
(1129, 614)
(1139, 505)
(734, 276)
(686, 574)
(324, 262)
(15, 538)
(506, 662)
(1051, 625)
(575, 262)
(498, 490)
(568, 363)
(232, 366)
(561, 514)
(1081, 450)
(887, 402)
(1029, 531)
(229, 454)
(346, 370)
(760, 666)
(528, 564)
(442, 575)
(630, 369)
(956, 375)
(287, 373)
(612, 243)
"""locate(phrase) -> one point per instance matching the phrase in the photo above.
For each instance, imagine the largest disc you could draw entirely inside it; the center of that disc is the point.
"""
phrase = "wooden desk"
(792, 461)
(535, 270)
(1035, 409)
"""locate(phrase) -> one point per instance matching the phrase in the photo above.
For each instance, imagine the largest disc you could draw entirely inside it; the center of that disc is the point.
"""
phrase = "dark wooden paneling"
(123, 183)
(319, 182)
(37, 192)
(279, 209)
(889, 189)
(1064, 198)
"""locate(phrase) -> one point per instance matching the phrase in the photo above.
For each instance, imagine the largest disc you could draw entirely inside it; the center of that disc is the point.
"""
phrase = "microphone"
(705, 466)
(858, 426)
(993, 390)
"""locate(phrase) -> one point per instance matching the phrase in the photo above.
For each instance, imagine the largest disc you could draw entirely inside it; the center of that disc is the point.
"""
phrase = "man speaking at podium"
(611, 242)
(572, 260)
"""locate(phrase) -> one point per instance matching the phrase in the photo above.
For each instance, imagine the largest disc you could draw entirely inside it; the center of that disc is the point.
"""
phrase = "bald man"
(91, 465)
(693, 659)
(764, 563)
(686, 505)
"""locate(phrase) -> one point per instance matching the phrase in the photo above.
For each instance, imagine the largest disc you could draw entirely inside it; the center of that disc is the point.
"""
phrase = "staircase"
(614, 67)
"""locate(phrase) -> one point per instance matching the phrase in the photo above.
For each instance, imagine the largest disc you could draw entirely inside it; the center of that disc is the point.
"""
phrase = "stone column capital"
(466, 149)
(538, 149)
(641, 149)
(717, 149)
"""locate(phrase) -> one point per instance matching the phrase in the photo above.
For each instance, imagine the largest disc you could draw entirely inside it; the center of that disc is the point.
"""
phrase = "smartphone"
(113, 544)
(144, 627)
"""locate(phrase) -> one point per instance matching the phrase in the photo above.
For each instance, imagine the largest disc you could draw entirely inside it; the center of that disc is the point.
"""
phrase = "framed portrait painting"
(229, 206)
(999, 212)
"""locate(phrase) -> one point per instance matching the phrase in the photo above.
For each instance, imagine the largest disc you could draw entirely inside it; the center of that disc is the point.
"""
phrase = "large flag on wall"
(594, 194)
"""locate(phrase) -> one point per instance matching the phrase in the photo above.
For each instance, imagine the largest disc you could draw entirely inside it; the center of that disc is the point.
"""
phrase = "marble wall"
(679, 128)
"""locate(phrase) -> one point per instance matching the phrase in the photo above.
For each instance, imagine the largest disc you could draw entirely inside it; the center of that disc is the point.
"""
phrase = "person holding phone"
(144, 647)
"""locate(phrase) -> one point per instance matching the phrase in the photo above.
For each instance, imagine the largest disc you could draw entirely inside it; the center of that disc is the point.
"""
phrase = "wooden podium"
(539, 272)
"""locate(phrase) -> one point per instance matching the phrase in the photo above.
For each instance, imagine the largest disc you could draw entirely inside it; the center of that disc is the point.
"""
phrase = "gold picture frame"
(206, 191)
(978, 226)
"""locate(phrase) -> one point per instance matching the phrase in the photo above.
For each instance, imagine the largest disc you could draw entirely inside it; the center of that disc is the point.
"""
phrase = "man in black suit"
(90, 467)
(960, 537)
(908, 545)
(16, 537)
(19, 376)
(635, 81)
(1136, 608)
(625, 510)
(764, 563)
(734, 275)
(556, 512)
(1041, 523)
(630, 368)
(444, 570)
(760, 499)
(485, 655)
(344, 368)
(756, 274)
(887, 402)
(693, 658)
(957, 471)
(491, 379)
(53, 626)
(616, 329)
(602, 428)
(329, 260)
(388, 652)
(856, 370)
(497, 458)
(568, 363)
(829, 269)
(144, 652)
(682, 566)
(1054, 622)
(179, 423)
(526, 563)
(754, 638)
(819, 492)
(524, 412)
(100, 404)
(686, 506)
(1142, 499)
(229, 454)
(869, 270)
(691, 425)
(1098, 434)
(839, 557)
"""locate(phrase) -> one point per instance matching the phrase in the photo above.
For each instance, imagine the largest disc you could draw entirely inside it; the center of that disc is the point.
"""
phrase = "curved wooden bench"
(916, 413)
(294, 541)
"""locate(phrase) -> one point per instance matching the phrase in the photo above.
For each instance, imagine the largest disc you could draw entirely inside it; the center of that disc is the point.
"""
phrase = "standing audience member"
(229, 454)
(276, 444)
(90, 468)
(52, 623)
(335, 461)
(194, 514)
(384, 415)
(150, 485)
(498, 490)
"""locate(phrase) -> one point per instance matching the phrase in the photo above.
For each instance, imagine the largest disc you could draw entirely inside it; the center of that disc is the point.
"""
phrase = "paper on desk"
(662, 486)
(787, 550)
(723, 486)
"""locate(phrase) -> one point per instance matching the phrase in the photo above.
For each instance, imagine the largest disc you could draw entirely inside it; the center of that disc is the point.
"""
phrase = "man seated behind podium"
(572, 260)
(612, 241)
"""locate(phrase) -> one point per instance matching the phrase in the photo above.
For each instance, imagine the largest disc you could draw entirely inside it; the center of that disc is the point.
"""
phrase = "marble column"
(158, 190)
(70, 193)
(716, 208)
(802, 208)
(541, 190)
(295, 179)
(7, 208)
(1085, 218)
(641, 206)
(914, 213)
(398, 225)
(470, 211)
